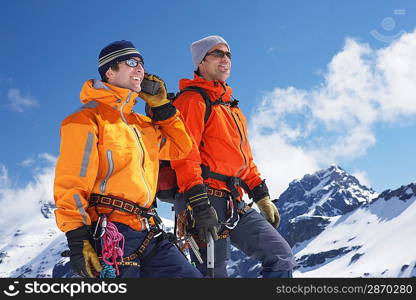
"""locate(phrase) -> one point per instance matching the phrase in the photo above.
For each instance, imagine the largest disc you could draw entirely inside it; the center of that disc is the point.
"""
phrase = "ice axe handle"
(210, 256)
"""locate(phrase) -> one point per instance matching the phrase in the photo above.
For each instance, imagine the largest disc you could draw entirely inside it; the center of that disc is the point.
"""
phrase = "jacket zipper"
(141, 146)
(138, 140)
(241, 142)
(137, 135)
(239, 131)
(103, 185)
(245, 133)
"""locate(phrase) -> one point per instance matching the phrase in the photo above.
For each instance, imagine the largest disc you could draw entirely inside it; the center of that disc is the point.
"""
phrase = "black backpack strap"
(204, 96)
(207, 99)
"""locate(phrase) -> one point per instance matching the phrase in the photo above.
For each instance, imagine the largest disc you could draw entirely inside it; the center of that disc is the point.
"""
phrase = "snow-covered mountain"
(338, 227)
(375, 238)
(308, 204)
(32, 246)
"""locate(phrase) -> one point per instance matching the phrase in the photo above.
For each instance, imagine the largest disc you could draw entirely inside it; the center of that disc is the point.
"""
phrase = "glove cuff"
(79, 234)
(163, 112)
(259, 192)
(197, 196)
(263, 200)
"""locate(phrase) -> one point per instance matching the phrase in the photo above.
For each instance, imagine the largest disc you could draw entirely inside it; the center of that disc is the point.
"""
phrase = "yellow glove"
(160, 98)
(83, 258)
(90, 259)
(269, 211)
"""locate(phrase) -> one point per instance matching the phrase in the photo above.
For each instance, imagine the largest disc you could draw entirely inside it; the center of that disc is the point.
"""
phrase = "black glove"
(83, 258)
(204, 215)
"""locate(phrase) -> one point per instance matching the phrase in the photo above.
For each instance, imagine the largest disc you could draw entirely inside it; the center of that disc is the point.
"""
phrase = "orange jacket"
(221, 143)
(108, 149)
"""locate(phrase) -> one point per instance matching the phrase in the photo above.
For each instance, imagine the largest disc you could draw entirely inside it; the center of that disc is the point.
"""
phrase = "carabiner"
(102, 224)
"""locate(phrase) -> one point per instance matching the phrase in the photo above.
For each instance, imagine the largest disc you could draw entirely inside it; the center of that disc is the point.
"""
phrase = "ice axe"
(210, 256)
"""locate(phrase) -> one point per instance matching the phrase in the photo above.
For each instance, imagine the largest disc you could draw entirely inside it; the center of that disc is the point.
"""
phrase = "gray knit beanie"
(200, 48)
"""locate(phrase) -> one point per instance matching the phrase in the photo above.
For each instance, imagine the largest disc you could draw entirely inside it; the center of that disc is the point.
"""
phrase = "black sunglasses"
(219, 53)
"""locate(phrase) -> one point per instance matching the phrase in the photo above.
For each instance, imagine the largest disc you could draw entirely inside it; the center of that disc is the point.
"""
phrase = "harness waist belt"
(230, 181)
(123, 205)
(217, 193)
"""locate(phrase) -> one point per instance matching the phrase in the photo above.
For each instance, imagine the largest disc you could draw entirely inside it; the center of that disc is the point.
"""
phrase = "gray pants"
(254, 236)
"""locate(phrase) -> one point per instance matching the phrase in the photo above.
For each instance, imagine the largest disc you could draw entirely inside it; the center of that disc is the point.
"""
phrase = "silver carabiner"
(146, 222)
(102, 224)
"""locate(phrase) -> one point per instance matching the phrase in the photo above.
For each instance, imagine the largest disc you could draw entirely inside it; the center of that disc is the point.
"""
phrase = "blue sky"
(49, 48)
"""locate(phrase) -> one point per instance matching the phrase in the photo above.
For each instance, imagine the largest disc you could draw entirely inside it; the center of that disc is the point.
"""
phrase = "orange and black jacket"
(108, 149)
(221, 143)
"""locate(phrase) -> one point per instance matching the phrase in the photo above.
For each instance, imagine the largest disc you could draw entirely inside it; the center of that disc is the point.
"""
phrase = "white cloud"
(18, 204)
(272, 49)
(4, 176)
(27, 162)
(38, 163)
(18, 102)
(297, 131)
(279, 162)
(362, 177)
(49, 158)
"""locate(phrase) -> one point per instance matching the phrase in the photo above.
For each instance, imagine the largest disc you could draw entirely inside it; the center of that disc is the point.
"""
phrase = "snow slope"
(376, 240)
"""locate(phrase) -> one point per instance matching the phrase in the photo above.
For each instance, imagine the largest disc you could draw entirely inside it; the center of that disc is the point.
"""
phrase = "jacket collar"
(118, 98)
(217, 89)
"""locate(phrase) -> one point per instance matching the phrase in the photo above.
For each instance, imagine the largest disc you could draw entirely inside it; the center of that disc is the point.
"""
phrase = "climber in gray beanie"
(219, 170)
(200, 48)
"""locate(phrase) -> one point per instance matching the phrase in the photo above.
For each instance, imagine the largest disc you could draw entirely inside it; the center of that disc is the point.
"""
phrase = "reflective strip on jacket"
(221, 143)
(108, 149)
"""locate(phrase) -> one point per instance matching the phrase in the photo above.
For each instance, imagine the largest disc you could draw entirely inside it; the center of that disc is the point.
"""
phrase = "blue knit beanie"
(200, 48)
(116, 52)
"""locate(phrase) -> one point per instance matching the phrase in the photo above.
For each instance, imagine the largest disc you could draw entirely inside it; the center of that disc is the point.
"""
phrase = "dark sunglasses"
(219, 53)
(133, 62)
